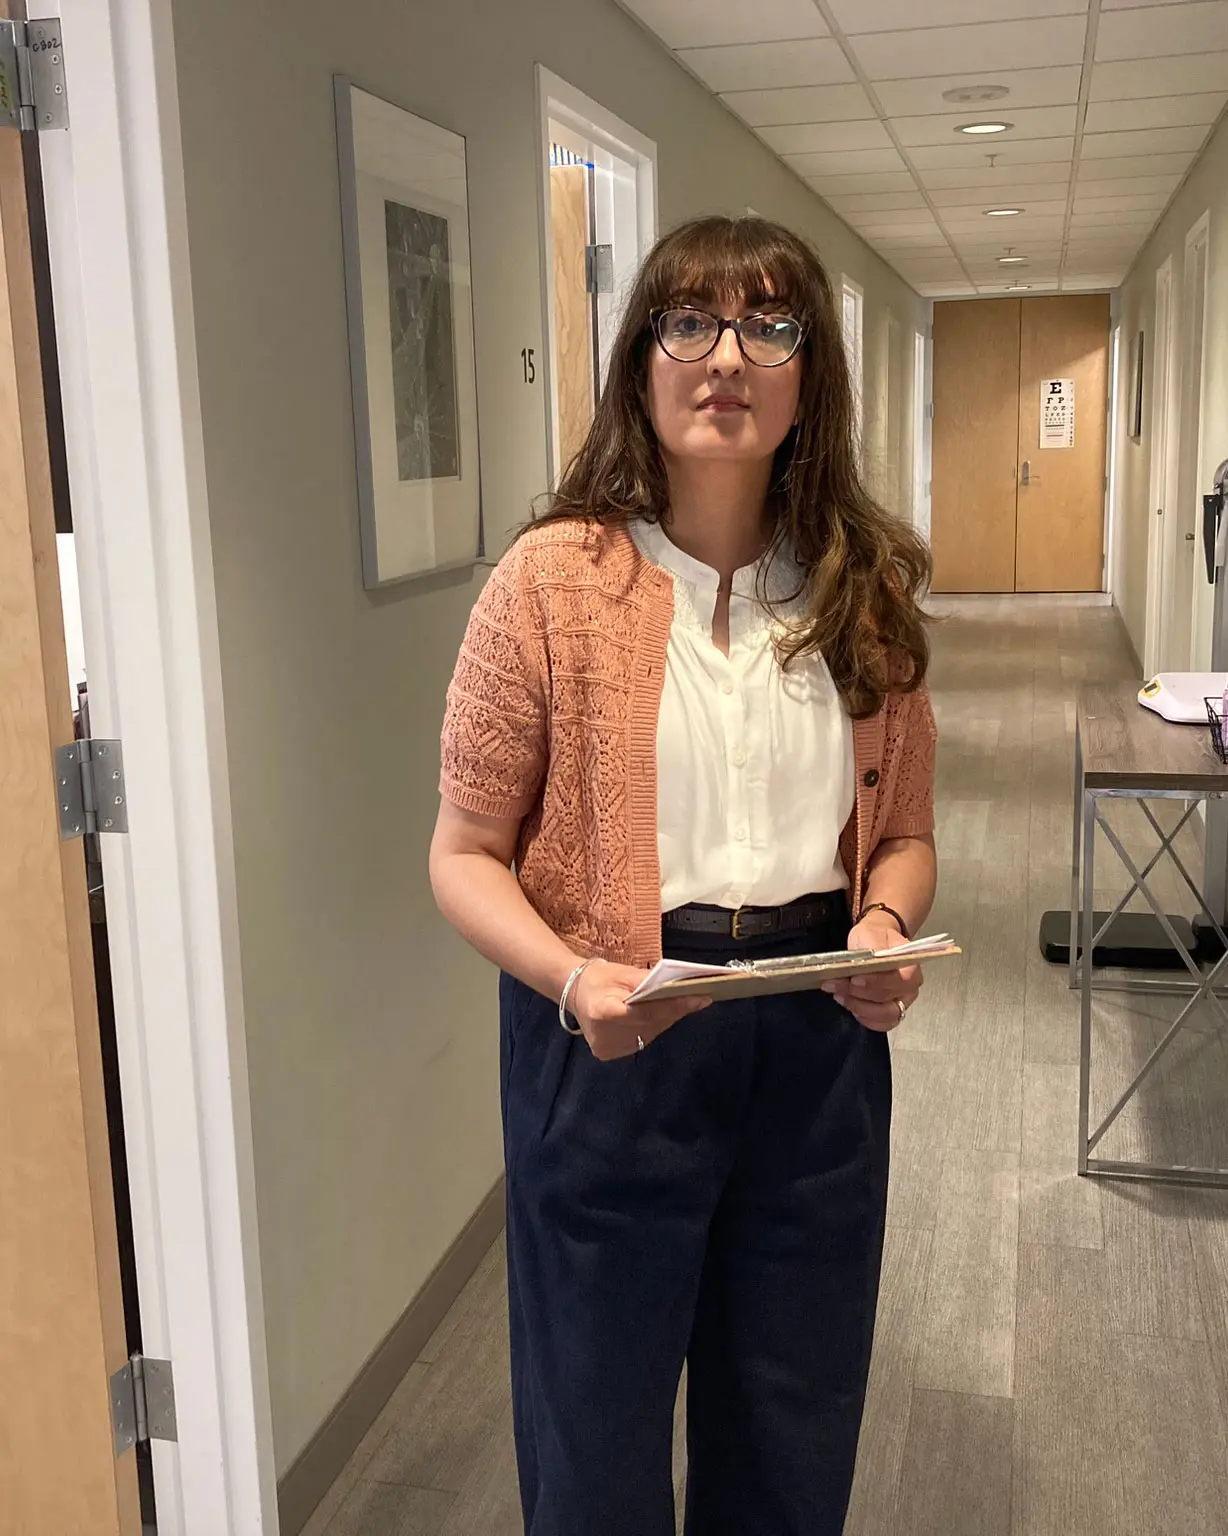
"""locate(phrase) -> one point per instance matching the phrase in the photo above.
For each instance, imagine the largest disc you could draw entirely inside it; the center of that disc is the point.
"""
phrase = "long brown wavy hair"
(864, 569)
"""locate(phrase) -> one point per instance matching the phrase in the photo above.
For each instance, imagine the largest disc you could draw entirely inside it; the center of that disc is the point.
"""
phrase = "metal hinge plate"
(90, 789)
(599, 268)
(32, 89)
(143, 1403)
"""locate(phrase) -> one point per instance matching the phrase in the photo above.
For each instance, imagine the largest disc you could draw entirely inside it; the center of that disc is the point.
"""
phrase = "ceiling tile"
(1181, 75)
(903, 240)
(871, 181)
(997, 179)
(978, 198)
(760, 66)
(703, 23)
(1036, 212)
(1029, 123)
(906, 253)
(1056, 87)
(829, 138)
(1159, 30)
(901, 222)
(1157, 141)
(875, 202)
(946, 290)
(859, 16)
(1156, 112)
(1088, 186)
(1148, 203)
(800, 104)
(1018, 152)
(1123, 167)
(1093, 282)
(845, 164)
(989, 46)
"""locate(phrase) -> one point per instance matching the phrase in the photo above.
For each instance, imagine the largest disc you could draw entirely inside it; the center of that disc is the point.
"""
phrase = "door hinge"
(143, 1403)
(929, 410)
(33, 93)
(90, 789)
(599, 268)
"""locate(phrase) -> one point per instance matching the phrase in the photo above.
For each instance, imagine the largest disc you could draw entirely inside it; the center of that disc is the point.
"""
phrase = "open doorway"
(599, 220)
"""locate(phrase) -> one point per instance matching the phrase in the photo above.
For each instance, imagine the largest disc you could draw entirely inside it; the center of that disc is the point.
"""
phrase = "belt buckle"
(736, 928)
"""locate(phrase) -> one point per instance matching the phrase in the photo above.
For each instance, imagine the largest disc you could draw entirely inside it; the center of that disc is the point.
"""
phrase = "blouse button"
(740, 834)
(738, 759)
(871, 778)
(726, 687)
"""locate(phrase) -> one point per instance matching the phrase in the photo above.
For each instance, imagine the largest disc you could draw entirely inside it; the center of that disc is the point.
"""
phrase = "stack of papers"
(793, 973)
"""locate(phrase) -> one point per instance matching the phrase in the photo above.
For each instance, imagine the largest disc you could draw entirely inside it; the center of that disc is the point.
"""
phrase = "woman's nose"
(726, 358)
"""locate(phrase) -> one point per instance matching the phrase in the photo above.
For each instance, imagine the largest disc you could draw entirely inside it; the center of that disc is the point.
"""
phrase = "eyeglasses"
(689, 335)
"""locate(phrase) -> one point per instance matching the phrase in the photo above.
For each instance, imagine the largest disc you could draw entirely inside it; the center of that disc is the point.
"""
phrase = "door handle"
(1026, 476)
(1189, 538)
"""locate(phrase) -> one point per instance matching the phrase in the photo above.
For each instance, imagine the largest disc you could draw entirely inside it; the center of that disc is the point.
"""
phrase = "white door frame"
(565, 104)
(124, 326)
(1112, 538)
(1190, 437)
(1160, 439)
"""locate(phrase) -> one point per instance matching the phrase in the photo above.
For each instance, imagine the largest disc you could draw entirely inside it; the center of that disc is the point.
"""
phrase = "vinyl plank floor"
(1051, 1357)
(971, 1438)
(968, 1337)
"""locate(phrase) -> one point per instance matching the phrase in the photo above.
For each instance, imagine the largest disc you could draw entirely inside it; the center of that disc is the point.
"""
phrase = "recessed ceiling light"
(981, 128)
(1003, 213)
(965, 95)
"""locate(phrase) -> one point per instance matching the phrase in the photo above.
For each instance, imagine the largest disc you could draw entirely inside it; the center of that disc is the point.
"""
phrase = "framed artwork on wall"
(409, 306)
(1136, 387)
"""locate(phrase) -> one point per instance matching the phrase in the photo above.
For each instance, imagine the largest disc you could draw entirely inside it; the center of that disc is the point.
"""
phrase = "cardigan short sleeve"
(912, 807)
(494, 743)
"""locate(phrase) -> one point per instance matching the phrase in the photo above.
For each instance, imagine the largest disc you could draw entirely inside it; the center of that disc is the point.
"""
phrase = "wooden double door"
(1018, 494)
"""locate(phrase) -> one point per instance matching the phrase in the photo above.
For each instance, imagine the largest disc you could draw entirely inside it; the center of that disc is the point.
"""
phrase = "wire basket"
(1215, 723)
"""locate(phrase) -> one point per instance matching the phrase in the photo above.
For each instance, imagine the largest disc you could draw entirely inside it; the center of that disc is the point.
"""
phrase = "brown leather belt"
(758, 922)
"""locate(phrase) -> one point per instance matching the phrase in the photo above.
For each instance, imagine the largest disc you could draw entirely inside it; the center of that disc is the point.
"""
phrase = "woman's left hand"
(875, 1000)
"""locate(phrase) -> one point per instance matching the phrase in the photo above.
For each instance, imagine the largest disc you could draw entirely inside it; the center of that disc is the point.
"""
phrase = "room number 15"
(530, 367)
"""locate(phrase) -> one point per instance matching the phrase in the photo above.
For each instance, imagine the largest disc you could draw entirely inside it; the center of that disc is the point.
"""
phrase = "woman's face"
(722, 407)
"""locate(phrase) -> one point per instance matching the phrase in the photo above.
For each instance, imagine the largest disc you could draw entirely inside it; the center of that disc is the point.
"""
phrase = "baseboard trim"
(1125, 635)
(321, 1462)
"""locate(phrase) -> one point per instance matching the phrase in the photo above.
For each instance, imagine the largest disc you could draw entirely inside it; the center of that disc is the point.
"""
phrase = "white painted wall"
(372, 1031)
(1205, 190)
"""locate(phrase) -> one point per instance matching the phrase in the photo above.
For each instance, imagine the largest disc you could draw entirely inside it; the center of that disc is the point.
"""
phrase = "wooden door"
(61, 1316)
(573, 307)
(1060, 528)
(975, 443)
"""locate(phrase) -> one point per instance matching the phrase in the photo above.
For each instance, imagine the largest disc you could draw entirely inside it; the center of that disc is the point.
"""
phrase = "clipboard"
(793, 973)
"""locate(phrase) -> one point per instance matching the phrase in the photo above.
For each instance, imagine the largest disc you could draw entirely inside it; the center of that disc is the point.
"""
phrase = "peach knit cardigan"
(552, 718)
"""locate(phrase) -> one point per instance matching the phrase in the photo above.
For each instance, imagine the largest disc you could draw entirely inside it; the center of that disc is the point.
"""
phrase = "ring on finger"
(902, 1006)
(639, 1043)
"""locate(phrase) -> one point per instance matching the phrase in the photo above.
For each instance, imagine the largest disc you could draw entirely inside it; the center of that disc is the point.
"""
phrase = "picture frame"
(409, 310)
(1137, 348)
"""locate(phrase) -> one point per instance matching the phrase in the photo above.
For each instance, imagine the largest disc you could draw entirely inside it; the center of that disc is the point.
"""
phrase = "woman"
(694, 688)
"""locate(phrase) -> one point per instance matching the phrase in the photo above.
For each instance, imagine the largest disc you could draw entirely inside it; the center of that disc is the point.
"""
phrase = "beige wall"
(1206, 190)
(373, 1034)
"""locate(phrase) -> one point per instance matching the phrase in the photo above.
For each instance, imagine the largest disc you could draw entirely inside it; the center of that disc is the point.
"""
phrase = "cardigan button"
(871, 778)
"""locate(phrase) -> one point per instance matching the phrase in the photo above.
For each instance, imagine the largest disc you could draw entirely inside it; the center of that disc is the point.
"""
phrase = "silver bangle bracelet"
(566, 997)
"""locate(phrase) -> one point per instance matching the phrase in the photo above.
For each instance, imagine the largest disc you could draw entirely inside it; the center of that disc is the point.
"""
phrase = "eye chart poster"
(1057, 413)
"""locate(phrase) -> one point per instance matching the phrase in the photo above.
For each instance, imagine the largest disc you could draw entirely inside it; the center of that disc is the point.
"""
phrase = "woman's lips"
(723, 403)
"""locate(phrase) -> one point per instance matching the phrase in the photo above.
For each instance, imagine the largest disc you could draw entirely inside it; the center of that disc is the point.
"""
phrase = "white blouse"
(754, 764)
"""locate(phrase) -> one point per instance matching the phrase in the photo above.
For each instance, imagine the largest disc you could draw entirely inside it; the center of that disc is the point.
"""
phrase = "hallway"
(1052, 1354)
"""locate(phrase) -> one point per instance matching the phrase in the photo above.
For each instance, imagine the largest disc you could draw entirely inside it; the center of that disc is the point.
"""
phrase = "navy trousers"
(718, 1198)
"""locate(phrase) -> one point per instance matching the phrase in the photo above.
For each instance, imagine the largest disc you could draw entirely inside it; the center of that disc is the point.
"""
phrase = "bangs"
(727, 260)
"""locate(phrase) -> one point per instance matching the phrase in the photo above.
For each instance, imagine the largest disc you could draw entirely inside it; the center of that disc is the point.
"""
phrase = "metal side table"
(1124, 752)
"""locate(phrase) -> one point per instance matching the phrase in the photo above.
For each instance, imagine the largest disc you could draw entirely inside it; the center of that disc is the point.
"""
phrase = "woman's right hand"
(613, 1030)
